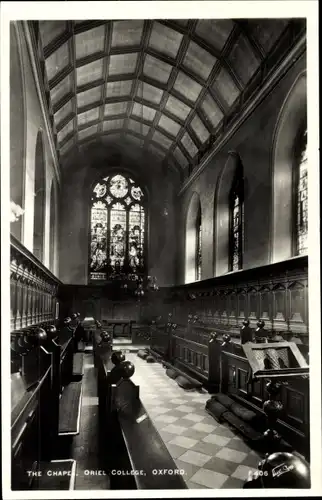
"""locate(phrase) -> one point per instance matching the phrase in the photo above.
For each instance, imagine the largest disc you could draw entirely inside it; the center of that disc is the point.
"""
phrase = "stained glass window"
(198, 249)
(236, 224)
(302, 201)
(118, 228)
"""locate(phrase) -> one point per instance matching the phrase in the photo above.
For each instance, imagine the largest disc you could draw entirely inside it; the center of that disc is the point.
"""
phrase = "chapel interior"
(159, 254)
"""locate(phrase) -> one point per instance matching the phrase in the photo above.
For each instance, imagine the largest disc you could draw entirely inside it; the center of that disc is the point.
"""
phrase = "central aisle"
(211, 455)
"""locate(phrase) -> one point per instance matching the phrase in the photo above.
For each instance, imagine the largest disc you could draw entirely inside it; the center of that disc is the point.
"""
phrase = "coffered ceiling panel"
(90, 42)
(199, 61)
(118, 89)
(200, 129)
(68, 129)
(63, 88)
(211, 110)
(87, 132)
(215, 33)
(149, 93)
(177, 107)
(116, 108)
(225, 87)
(189, 145)
(144, 112)
(156, 69)
(88, 116)
(169, 125)
(113, 124)
(242, 51)
(180, 157)
(127, 33)
(122, 64)
(63, 112)
(187, 87)
(161, 139)
(50, 30)
(89, 96)
(57, 61)
(138, 127)
(89, 72)
(165, 40)
(163, 84)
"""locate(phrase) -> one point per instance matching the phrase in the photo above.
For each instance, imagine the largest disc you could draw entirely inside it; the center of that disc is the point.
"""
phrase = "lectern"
(278, 362)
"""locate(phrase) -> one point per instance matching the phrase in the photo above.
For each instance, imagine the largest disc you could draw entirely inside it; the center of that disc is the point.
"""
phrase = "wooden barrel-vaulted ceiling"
(163, 85)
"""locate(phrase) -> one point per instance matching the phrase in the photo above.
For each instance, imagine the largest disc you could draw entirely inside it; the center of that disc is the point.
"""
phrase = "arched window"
(118, 228)
(199, 248)
(301, 198)
(193, 241)
(236, 235)
(40, 198)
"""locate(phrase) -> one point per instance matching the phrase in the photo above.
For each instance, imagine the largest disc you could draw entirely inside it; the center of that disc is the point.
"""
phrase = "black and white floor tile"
(210, 453)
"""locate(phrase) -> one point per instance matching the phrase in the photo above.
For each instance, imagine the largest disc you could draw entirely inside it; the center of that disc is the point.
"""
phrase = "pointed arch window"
(236, 216)
(301, 229)
(118, 228)
(198, 247)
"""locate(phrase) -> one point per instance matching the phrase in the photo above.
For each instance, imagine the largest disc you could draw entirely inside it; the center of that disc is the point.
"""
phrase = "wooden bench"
(129, 440)
(43, 396)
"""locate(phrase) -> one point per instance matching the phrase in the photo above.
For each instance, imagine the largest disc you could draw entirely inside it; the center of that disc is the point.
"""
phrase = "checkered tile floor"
(211, 455)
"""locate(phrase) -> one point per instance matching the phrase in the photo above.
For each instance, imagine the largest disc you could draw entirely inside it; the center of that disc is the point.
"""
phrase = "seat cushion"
(186, 383)
(224, 400)
(172, 373)
(245, 429)
(243, 413)
(142, 354)
(215, 409)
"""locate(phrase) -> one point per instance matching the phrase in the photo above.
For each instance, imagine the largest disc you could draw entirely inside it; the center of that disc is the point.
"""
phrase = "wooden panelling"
(33, 289)
(277, 294)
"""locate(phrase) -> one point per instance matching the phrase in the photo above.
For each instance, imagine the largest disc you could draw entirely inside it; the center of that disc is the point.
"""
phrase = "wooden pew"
(131, 447)
(41, 380)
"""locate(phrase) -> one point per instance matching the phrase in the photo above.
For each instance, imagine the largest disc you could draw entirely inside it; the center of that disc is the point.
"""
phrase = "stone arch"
(192, 218)
(222, 212)
(17, 132)
(39, 197)
(291, 120)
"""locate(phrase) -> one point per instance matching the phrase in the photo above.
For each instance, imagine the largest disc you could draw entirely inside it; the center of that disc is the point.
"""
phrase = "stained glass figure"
(136, 237)
(117, 229)
(236, 233)
(136, 193)
(100, 190)
(118, 186)
(302, 202)
(98, 250)
(236, 223)
(199, 251)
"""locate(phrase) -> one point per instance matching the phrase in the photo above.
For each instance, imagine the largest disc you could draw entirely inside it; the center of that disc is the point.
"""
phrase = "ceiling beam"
(72, 56)
(106, 62)
(172, 78)
(146, 33)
